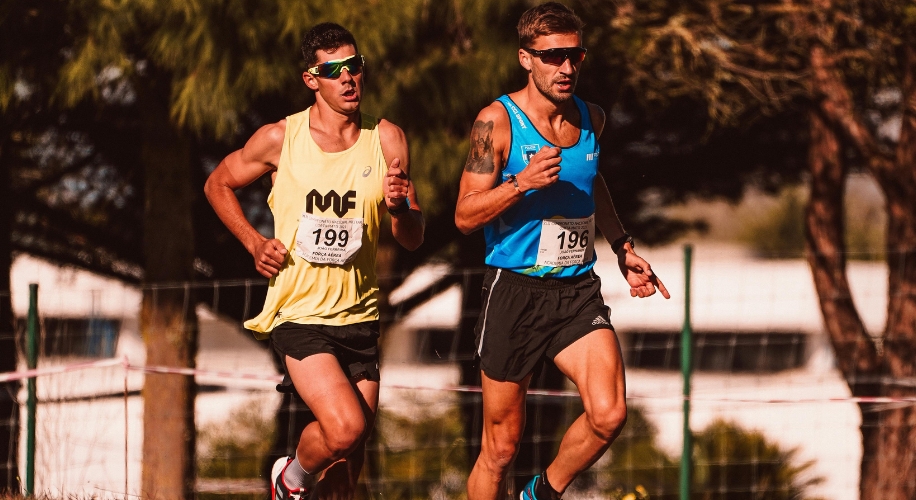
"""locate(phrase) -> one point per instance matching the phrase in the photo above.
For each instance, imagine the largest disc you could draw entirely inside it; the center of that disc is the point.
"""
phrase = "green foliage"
(437, 161)
(776, 228)
(210, 57)
(733, 463)
(637, 462)
(779, 232)
(237, 447)
(729, 463)
(422, 455)
(866, 228)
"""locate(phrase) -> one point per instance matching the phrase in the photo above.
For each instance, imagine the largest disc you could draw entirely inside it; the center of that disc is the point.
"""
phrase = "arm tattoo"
(480, 158)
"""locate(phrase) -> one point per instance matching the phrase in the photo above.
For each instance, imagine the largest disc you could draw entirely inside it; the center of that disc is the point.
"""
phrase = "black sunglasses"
(555, 57)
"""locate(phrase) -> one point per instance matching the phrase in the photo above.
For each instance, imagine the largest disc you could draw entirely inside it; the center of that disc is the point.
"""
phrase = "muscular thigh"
(504, 409)
(594, 363)
(334, 369)
(324, 387)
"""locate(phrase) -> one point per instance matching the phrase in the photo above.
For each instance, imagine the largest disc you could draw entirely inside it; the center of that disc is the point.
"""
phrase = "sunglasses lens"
(327, 70)
(556, 57)
(333, 69)
(576, 56)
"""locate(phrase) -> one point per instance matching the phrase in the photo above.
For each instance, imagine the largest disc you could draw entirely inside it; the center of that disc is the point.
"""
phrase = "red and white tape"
(40, 372)
(567, 394)
(12, 376)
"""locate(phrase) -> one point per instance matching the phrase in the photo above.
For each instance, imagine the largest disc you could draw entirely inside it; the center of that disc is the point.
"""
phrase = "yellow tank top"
(326, 187)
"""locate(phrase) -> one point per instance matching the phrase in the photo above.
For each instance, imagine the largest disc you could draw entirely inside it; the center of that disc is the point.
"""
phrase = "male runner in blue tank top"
(531, 182)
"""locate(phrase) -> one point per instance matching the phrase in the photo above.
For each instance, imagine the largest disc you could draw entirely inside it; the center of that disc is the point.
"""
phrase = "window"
(84, 337)
(719, 351)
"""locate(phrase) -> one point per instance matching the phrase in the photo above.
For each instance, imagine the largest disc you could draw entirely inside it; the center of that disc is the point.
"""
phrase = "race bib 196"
(566, 242)
(323, 240)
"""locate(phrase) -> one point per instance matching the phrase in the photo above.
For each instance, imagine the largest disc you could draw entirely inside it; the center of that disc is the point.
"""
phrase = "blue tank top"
(549, 232)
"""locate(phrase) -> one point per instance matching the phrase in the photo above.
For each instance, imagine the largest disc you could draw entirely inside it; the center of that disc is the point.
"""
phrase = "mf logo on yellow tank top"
(342, 204)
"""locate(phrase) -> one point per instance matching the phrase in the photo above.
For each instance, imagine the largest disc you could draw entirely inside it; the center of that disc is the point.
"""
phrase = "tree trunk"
(168, 320)
(891, 472)
(826, 252)
(9, 406)
(888, 469)
(825, 246)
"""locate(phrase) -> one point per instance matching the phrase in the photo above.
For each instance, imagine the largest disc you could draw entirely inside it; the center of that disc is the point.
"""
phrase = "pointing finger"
(661, 286)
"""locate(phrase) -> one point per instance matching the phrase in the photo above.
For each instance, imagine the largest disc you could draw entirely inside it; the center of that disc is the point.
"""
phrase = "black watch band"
(617, 244)
(401, 209)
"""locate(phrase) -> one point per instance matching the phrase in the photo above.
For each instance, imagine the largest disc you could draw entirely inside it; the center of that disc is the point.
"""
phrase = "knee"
(608, 418)
(343, 435)
(499, 453)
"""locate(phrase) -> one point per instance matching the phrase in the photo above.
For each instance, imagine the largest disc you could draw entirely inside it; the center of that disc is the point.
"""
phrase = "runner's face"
(556, 83)
(342, 93)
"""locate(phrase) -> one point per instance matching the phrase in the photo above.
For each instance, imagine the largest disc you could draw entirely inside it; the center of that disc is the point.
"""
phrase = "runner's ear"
(524, 59)
(309, 80)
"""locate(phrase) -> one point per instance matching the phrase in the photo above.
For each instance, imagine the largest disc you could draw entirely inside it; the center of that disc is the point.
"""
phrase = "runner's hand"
(269, 257)
(543, 170)
(395, 185)
(639, 275)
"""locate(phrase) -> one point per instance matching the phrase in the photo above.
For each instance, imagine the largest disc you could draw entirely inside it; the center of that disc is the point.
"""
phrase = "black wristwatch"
(401, 209)
(617, 244)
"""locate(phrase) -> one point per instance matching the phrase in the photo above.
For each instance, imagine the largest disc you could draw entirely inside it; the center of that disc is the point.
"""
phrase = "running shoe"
(278, 489)
(528, 492)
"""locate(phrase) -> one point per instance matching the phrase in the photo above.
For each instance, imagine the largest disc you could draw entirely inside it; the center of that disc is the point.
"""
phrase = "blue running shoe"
(279, 490)
(530, 489)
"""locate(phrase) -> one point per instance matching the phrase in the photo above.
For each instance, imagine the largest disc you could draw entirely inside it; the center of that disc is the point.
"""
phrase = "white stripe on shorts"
(486, 309)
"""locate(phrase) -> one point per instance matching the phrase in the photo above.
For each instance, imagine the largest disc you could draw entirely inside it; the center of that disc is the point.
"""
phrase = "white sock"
(295, 476)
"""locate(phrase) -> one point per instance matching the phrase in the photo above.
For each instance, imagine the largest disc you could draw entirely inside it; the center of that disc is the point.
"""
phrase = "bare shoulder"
(490, 138)
(494, 114)
(266, 143)
(598, 117)
(390, 134)
(394, 143)
(492, 126)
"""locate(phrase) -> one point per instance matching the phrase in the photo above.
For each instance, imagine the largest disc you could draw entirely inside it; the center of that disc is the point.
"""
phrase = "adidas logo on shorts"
(600, 321)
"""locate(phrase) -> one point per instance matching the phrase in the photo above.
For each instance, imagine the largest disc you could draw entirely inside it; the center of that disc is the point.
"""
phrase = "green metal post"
(686, 370)
(31, 402)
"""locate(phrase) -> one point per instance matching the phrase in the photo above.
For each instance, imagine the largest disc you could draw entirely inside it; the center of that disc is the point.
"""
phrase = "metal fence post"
(686, 370)
(31, 402)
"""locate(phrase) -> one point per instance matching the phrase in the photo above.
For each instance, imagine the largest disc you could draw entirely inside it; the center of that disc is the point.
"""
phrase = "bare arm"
(480, 198)
(407, 227)
(634, 268)
(259, 156)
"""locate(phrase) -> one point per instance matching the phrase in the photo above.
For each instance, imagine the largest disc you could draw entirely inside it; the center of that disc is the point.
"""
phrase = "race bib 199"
(323, 240)
(566, 242)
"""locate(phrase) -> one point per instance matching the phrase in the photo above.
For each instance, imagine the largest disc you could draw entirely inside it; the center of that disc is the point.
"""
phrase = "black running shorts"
(355, 346)
(525, 318)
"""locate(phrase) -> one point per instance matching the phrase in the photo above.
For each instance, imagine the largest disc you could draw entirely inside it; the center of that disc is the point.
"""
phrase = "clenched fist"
(543, 170)
(395, 185)
(269, 257)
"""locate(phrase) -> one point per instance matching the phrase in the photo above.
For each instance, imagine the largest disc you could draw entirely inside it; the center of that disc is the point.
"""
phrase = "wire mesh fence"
(771, 415)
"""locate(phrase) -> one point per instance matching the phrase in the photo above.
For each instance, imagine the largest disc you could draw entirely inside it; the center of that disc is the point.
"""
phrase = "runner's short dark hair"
(547, 19)
(325, 36)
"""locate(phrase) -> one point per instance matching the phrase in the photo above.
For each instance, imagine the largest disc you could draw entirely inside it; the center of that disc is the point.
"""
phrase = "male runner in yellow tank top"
(333, 168)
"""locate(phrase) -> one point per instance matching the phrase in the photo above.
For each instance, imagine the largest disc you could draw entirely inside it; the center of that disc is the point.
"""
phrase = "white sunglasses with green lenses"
(332, 69)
